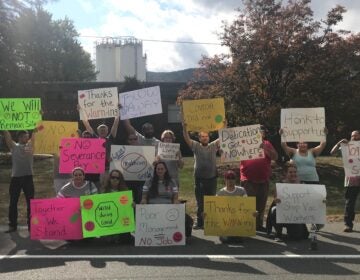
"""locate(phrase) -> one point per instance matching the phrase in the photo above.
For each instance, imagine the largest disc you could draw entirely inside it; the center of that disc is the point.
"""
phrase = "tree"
(48, 50)
(281, 57)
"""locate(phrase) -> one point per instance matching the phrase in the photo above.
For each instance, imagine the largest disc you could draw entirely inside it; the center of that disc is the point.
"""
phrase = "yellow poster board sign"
(229, 216)
(204, 114)
(50, 133)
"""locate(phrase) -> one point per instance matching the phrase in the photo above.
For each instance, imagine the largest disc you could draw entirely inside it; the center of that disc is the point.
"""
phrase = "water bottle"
(313, 241)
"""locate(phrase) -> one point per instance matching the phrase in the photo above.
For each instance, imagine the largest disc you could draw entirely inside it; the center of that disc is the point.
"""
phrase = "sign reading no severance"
(160, 225)
(106, 214)
(141, 102)
(50, 133)
(135, 162)
(300, 204)
(303, 124)
(240, 143)
(229, 216)
(19, 113)
(98, 103)
(87, 153)
(204, 114)
(168, 151)
(55, 219)
(351, 158)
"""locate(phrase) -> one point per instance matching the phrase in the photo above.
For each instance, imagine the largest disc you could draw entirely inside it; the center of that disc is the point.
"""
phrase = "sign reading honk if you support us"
(303, 124)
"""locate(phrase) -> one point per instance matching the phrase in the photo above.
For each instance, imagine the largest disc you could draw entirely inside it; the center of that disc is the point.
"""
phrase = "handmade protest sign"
(229, 216)
(240, 143)
(160, 225)
(107, 214)
(204, 114)
(303, 124)
(300, 204)
(50, 133)
(19, 113)
(168, 151)
(55, 219)
(141, 102)
(87, 153)
(135, 162)
(351, 158)
(98, 103)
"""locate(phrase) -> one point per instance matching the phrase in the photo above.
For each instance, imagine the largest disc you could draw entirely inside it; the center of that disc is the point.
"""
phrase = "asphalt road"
(260, 257)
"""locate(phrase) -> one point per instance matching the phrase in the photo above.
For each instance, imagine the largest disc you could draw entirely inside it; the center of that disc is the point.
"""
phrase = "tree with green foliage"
(281, 57)
(36, 48)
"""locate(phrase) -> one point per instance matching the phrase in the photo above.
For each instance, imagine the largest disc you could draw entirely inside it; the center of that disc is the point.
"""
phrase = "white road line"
(289, 256)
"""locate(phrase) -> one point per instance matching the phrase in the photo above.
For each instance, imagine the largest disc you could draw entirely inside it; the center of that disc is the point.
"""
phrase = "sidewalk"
(331, 240)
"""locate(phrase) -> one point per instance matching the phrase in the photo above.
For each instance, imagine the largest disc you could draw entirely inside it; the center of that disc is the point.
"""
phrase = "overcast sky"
(172, 20)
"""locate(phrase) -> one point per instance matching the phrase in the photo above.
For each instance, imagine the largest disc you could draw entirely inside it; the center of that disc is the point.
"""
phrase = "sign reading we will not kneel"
(141, 102)
(19, 113)
(98, 103)
(303, 124)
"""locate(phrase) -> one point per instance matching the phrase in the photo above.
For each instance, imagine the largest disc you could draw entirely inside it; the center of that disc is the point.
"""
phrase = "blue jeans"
(26, 184)
(203, 187)
(351, 194)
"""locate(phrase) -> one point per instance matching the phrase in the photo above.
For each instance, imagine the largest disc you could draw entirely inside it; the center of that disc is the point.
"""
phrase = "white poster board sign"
(160, 225)
(168, 151)
(351, 158)
(303, 124)
(135, 162)
(301, 204)
(141, 102)
(240, 143)
(98, 103)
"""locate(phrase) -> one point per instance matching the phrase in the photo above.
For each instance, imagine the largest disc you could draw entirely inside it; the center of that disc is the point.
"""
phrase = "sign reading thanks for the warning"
(204, 114)
(98, 103)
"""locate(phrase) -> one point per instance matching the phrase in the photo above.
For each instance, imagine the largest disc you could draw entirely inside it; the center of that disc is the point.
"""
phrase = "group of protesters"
(163, 185)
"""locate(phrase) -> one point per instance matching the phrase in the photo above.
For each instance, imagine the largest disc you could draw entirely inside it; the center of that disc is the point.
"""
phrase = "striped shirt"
(70, 190)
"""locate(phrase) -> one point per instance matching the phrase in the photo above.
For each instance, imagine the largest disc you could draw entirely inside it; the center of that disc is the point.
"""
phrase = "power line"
(154, 40)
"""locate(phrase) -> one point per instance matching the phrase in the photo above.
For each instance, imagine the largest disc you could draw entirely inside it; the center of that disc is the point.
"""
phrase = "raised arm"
(336, 148)
(187, 138)
(270, 151)
(288, 150)
(318, 149)
(8, 140)
(115, 127)
(85, 120)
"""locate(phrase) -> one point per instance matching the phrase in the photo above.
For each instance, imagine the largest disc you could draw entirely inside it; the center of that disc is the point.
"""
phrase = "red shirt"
(256, 170)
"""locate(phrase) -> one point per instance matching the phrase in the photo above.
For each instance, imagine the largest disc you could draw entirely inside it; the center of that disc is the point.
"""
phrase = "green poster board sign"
(107, 214)
(19, 113)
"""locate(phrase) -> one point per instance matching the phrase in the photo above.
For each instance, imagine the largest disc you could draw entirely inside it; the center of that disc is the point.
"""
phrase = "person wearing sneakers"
(352, 185)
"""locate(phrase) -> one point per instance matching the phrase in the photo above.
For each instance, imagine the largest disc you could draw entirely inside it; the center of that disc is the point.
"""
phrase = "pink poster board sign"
(55, 219)
(86, 153)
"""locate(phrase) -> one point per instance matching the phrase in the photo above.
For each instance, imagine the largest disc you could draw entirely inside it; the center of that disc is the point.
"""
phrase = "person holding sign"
(304, 159)
(231, 189)
(352, 185)
(255, 176)
(160, 188)
(173, 166)
(294, 231)
(146, 138)
(21, 173)
(205, 170)
(116, 183)
(78, 186)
